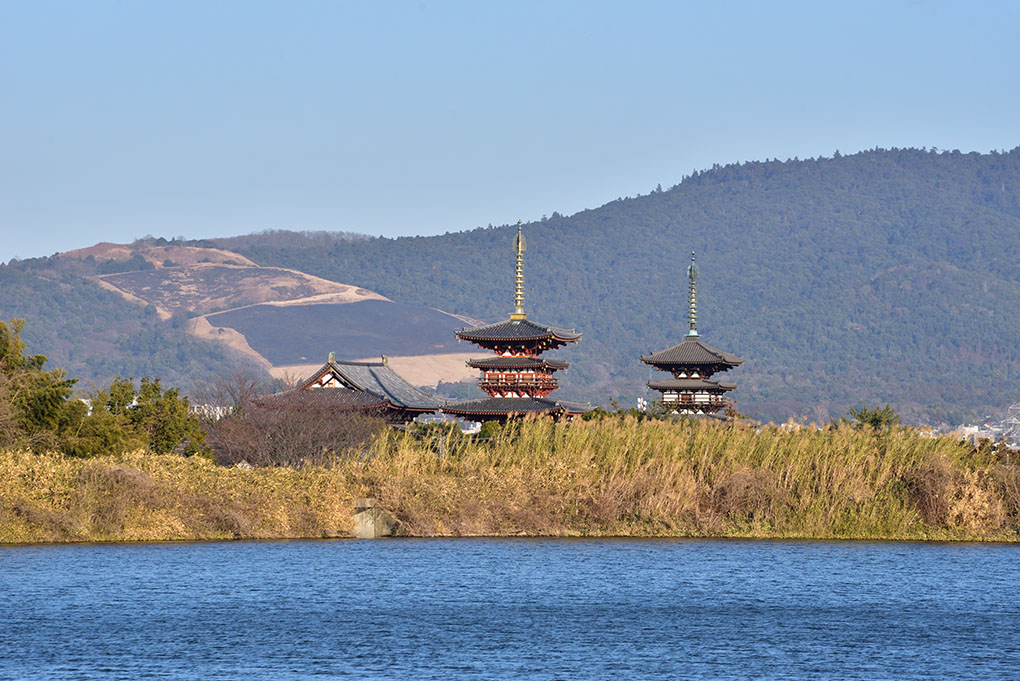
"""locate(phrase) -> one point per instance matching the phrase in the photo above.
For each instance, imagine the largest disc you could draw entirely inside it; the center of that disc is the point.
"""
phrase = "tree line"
(39, 410)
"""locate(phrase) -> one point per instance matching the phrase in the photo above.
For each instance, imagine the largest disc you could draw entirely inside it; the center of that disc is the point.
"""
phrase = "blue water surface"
(510, 609)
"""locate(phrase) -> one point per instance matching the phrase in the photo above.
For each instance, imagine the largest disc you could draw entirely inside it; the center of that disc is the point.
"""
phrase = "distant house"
(359, 386)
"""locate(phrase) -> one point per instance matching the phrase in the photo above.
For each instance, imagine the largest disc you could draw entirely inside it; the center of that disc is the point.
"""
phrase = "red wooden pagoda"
(518, 379)
(692, 363)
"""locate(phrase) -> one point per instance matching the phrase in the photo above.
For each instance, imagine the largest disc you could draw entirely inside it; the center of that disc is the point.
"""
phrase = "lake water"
(510, 609)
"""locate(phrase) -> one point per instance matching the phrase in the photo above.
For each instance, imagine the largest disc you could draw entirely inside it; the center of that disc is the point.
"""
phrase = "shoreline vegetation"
(616, 476)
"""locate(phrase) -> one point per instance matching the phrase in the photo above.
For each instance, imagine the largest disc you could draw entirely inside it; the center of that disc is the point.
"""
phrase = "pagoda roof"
(692, 384)
(376, 379)
(516, 330)
(692, 351)
(514, 406)
(516, 363)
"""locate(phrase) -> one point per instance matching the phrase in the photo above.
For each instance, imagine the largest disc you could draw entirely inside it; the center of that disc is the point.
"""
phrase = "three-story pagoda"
(518, 379)
(692, 390)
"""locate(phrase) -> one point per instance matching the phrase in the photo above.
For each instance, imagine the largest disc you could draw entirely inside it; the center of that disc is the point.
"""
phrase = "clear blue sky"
(203, 119)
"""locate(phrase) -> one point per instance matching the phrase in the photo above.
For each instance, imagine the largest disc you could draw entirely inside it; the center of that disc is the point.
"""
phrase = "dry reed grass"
(614, 477)
(660, 478)
(139, 496)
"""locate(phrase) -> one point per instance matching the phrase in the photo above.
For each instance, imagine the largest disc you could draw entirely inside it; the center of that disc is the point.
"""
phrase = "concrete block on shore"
(372, 520)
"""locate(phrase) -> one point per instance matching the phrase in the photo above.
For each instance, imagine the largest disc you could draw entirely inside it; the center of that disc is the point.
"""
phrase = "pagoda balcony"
(523, 385)
(697, 399)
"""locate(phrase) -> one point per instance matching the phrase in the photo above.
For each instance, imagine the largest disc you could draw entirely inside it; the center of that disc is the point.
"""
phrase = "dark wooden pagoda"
(693, 362)
(518, 379)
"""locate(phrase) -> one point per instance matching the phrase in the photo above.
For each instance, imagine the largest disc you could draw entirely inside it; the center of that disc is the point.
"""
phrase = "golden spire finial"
(518, 312)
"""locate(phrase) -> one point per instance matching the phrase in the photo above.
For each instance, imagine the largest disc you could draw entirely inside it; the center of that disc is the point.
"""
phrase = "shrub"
(122, 418)
(96, 432)
(164, 416)
(291, 435)
(31, 399)
(878, 418)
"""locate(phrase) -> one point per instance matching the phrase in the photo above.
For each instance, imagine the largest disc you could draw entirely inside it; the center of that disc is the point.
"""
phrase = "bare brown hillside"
(281, 320)
(206, 287)
(160, 256)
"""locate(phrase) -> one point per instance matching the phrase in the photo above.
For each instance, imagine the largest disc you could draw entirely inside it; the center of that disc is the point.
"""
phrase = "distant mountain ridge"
(884, 276)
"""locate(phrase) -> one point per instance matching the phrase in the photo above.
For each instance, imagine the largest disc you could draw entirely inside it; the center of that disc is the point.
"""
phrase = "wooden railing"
(688, 399)
(503, 384)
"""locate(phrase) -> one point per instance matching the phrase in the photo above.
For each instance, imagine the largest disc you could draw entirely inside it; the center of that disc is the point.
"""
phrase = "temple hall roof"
(377, 379)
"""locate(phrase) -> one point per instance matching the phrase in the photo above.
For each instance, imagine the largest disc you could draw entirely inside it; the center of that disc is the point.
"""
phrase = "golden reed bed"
(613, 477)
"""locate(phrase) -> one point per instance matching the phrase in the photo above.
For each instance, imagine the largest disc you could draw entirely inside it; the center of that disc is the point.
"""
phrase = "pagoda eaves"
(518, 336)
(692, 352)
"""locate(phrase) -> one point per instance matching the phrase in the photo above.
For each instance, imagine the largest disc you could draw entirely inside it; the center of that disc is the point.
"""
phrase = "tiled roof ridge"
(357, 363)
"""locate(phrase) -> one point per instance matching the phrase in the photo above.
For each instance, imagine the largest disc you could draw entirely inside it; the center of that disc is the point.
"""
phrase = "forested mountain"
(885, 276)
(95, 335)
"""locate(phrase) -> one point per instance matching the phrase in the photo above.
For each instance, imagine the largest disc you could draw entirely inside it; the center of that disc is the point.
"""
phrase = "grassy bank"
(600, 478)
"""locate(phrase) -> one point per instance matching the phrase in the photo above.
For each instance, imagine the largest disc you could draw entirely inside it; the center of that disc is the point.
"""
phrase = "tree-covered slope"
(889, 275)
(95, 335)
